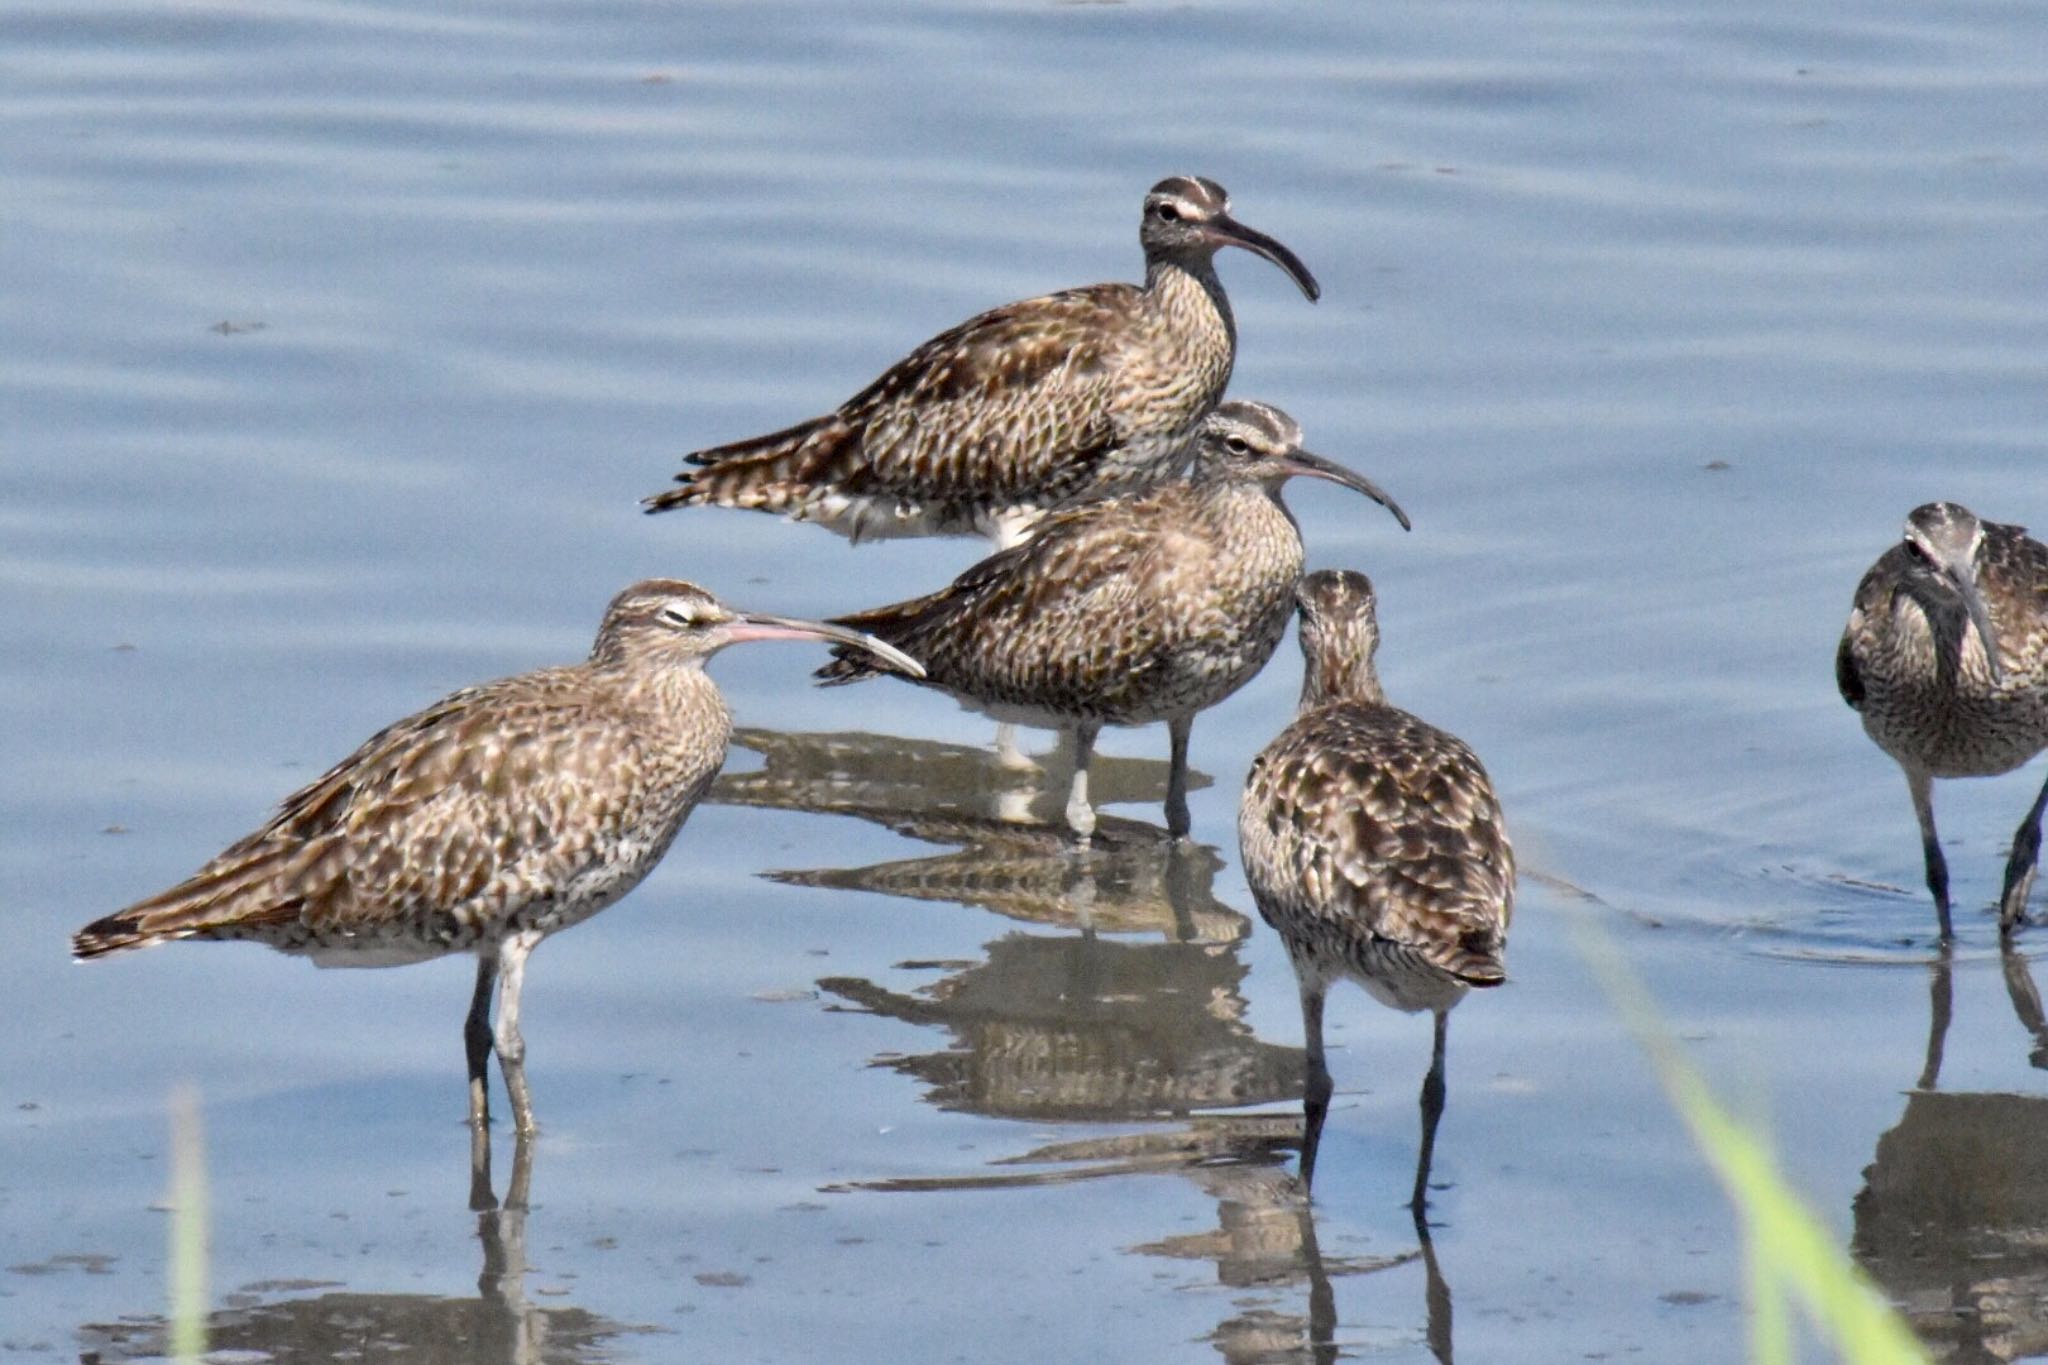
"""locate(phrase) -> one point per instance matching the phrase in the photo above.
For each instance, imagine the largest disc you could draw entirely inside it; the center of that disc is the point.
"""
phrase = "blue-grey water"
(339, 340)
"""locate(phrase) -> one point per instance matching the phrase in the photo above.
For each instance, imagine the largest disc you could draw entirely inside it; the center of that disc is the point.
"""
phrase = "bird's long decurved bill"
(751, 625)
(1964, 577)
(1227, 231)
(1316, 467)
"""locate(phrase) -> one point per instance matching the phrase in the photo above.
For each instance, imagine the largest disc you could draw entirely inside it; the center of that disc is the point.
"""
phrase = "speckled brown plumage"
(1373, 843)
(1946, 657)
(1149, 606)
(1022, 408)
(500, 814)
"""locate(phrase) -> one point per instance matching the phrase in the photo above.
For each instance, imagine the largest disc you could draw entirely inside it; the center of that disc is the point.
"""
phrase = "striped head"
(1340, 634)
(1941, 542)
(668, 621)
(1243, 441)
(1187, 221)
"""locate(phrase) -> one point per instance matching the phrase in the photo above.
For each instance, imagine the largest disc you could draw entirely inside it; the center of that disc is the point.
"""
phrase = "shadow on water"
(1082, 1028)
(286, 1321)
(1952, 1219)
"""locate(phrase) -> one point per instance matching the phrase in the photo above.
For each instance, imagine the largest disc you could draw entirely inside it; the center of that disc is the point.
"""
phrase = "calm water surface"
(340, 339)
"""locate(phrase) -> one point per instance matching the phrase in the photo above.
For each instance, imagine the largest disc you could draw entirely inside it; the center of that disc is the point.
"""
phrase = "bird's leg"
(476, 1040)
(1315, 1090)
(2019, 873)
(1010, 756)
(1922, 786)
(1432, 1111)
(1081, 815)
(511, 1047)
(519, 1189)
(481, 1197)
(1177, 821)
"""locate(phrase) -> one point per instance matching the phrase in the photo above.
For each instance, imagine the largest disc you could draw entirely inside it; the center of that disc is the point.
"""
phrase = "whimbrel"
(1946, 656)
(1373, 843)
(1036, 403)
(499, 815)
(1137, 608)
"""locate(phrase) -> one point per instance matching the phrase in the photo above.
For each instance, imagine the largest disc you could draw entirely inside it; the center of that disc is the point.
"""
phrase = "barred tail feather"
(116, 933)
(1476, 958)
(232, 893)
(848, 665)
(772, 473)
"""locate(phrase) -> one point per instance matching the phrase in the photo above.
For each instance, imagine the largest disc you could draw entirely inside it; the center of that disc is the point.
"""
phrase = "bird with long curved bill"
(1945, 656)
(497, 816)
(985, 427)
(1128, 610)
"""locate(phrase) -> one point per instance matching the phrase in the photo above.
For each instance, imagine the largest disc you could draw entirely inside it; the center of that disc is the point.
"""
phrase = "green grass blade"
(1792, 1254)
(188, 1228)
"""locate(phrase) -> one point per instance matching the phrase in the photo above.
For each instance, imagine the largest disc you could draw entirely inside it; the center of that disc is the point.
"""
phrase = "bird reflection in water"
(1952, 1219)
(885, 778)
(1088, 1028)
(1264, 1241)
(289, 1322)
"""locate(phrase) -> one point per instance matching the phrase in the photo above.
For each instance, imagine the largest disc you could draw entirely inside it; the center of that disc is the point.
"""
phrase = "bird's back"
(1374, 841)
(1024, 407)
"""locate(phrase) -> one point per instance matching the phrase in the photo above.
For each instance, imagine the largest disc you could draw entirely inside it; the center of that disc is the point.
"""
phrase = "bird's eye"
(1238, 445)
(682, 618)
(1166, 213)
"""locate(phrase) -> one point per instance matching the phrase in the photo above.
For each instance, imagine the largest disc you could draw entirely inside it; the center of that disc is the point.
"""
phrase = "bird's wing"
(993, 406)
(1065, 609)
(475, 804)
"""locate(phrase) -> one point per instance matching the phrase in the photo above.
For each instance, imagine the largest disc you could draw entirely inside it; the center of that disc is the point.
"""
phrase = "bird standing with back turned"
(1374, 844)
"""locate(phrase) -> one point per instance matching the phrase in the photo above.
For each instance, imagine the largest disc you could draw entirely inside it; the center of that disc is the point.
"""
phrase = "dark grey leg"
(511, 1047)
(2019, 873)
(476, 1040)
(1315, 1092)
(481, 1197)
(1930, 846)
(1432, 1112)
(1177, 820)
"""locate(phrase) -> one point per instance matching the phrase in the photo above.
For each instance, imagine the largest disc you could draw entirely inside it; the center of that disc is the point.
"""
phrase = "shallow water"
(341, 339)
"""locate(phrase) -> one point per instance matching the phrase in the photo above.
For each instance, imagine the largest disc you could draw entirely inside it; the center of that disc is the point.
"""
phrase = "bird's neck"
(1190, 294)
(667, 693)
(1340, 677)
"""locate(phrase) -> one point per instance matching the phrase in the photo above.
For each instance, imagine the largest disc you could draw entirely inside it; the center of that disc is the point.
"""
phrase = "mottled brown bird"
(1143, 607)
(1374, 844)
(1025, 407)
(495, 817)
(1946, 657)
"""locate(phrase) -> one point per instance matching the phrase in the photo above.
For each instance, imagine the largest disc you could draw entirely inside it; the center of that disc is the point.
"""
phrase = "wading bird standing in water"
(1027, 406)
(497, 816)
(1373, 842)
(1128, 610)
(1946, 657)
